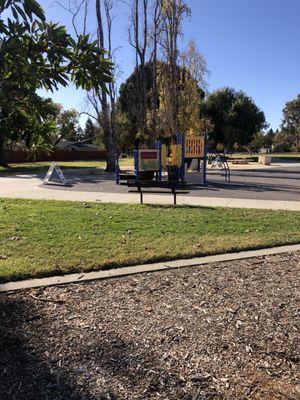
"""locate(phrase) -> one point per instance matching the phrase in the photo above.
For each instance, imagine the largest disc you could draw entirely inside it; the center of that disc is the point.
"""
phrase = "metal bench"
(174, 186)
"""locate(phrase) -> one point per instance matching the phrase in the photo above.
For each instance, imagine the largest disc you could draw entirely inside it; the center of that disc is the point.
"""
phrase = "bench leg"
(174, 194)
(141, 193)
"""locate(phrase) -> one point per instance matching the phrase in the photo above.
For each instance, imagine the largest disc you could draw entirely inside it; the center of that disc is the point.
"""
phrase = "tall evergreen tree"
(89, 131)
(269, 139)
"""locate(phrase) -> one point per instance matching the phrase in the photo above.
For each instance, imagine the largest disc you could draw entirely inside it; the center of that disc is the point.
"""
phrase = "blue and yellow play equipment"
(150, 163)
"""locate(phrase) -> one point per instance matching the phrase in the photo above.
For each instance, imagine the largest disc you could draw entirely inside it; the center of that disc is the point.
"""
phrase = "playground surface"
(220, 331)
(275, 187)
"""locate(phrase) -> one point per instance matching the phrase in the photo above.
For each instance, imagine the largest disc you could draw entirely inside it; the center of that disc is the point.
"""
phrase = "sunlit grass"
(42, 238)
(254, 156)
(42, 166)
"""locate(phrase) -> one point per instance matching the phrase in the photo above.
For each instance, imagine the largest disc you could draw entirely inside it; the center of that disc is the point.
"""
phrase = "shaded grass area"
(43, 238)
(42, 166)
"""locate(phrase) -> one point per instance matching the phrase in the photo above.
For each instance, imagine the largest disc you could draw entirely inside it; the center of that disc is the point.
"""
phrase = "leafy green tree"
(129, 98)
(283, 142)
(41, 140)
(269, 139)
(234, 116)
(38, 54)
(90, 131)
(291, 120)
(258, 141)
(67, 125)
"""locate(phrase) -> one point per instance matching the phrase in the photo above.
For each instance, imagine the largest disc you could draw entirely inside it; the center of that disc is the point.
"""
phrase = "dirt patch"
(220, 331)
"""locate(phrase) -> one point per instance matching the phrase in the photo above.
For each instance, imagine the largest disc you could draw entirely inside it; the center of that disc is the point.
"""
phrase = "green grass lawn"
(284, 156)
(42, 166)
(42, 238)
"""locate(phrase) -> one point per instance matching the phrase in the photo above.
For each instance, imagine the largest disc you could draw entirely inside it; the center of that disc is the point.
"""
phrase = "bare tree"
(139, 40)
(102, 101)
(173, 12)
(194, 62)
(76, 8)
(155, 35)
(193, 72)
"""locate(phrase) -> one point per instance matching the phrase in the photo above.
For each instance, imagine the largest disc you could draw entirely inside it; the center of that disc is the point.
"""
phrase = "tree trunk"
(105, 121)
(108, 139)
(298, 143)
(140, 43)
(154, 97)
(2, 161)
(172, 16)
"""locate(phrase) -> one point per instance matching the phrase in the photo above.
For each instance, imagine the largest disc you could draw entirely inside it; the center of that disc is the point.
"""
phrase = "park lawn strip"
(42, 166)
(295, 157)
(44, 238)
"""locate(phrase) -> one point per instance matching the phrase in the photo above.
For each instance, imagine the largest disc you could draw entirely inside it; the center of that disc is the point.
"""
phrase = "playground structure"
(54, 167)
(150, 163)
(217, 161)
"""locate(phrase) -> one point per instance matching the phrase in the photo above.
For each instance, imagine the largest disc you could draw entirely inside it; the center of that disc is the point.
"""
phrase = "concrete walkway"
(144, 268)
(29, 187)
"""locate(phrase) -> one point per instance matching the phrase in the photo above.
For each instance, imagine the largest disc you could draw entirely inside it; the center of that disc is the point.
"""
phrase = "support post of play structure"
(159, 172)
(117, 170)
(181, 141)
(198, 165)
(136, 163)
(205, 159)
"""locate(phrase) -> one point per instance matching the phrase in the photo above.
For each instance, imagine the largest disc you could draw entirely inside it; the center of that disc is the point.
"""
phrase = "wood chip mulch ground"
(220, 331)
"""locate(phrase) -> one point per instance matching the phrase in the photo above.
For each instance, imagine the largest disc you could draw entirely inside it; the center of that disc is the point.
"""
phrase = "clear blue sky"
(253, 45)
